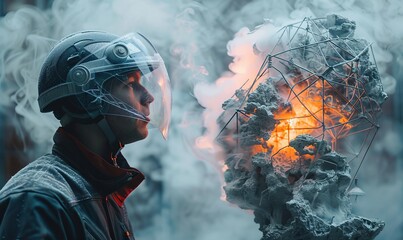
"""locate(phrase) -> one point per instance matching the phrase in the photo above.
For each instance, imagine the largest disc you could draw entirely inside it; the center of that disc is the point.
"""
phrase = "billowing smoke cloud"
(181, 196)
(387, 51)
(183, 192)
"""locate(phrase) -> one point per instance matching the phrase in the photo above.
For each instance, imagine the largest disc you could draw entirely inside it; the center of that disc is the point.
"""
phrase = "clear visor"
(127, 78)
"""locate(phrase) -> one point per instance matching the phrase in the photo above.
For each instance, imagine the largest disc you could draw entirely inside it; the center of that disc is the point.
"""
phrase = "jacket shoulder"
(48, 217)
(49, 174)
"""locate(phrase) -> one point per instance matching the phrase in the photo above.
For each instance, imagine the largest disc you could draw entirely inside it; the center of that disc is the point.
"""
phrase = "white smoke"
(376, 21)
(192, 37)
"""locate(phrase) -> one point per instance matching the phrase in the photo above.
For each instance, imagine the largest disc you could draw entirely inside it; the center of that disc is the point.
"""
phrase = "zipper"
(108, 216)
(126, 233)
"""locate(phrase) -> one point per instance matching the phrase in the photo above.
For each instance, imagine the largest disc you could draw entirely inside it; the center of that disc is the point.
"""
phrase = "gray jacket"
(69, 194)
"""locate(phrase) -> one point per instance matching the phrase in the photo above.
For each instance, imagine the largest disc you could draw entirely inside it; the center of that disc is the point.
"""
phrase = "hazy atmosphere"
(208, 48)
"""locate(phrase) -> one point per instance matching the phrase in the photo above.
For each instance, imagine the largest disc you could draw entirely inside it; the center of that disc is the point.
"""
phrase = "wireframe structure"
(291, 136)
(329, 87)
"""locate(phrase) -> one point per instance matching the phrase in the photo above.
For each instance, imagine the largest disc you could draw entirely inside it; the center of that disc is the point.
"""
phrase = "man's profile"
(105, 90)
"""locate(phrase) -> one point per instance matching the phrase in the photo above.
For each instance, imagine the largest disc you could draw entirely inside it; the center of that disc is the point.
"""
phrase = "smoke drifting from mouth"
(192, 37)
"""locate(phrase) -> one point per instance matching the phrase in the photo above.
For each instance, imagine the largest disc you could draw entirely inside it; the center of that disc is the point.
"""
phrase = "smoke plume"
(205, 45)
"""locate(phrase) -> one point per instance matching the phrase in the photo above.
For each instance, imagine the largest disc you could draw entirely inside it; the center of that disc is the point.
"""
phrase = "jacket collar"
(118, 182)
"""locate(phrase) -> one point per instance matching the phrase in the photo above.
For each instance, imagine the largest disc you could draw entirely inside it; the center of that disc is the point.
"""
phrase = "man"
(105, 90)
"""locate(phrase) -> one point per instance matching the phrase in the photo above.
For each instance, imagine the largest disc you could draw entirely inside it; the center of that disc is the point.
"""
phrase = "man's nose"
(147, 98)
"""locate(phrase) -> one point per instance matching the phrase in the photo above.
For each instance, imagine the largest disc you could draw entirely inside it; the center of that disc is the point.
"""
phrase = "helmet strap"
(115, 145)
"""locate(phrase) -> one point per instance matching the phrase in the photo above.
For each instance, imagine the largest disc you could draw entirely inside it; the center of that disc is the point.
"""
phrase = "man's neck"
(91, 136)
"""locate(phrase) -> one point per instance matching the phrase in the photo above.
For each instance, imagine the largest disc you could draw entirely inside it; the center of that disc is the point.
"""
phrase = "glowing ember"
(308, 113)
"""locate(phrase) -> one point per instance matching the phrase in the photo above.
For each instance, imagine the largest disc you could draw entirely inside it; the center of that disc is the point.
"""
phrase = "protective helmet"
(74, 75)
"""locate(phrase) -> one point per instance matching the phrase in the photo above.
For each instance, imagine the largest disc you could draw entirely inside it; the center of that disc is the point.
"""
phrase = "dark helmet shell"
(63, 57)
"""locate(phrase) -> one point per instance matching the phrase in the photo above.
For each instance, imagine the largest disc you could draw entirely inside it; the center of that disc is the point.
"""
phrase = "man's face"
(130, 91)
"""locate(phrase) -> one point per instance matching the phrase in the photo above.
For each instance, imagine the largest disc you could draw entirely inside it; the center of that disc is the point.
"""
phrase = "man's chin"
(139, 135)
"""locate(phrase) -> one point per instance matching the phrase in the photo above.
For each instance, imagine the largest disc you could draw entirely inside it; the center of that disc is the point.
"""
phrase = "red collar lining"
(120, 182)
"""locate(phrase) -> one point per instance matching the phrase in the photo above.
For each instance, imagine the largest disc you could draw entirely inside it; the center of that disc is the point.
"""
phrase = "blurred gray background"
(181, 197)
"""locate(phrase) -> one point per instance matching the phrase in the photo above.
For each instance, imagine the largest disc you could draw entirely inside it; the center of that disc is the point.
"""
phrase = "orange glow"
(258, 149)
(307, 113)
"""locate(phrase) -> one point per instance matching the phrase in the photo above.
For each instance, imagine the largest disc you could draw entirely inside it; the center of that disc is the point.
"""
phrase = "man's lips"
(146, 113)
